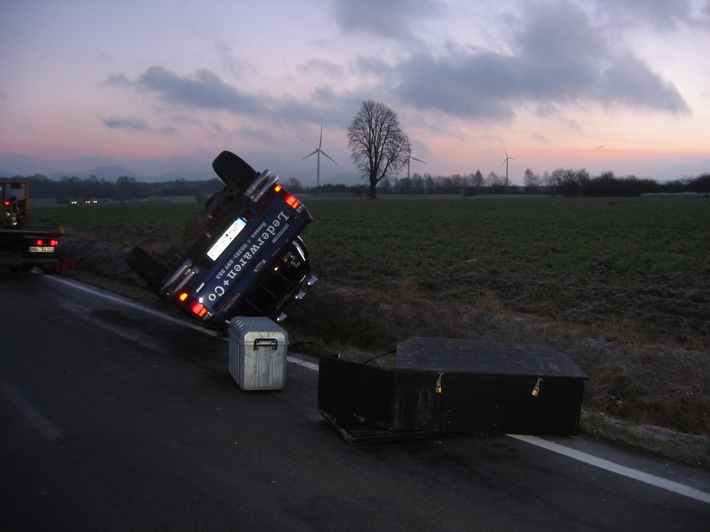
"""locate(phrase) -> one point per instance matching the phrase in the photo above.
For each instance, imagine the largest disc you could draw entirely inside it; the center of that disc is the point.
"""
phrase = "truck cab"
(14, 203)
(242, 255)
(23, 245)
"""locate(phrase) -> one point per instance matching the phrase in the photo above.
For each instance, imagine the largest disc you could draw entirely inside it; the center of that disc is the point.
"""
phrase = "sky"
(156, 86)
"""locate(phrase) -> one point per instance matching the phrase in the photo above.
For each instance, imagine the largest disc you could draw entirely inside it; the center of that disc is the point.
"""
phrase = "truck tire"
(235, 173)
(147, 267)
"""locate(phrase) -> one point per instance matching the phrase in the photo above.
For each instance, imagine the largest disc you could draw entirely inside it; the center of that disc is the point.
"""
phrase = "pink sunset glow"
(155, 87)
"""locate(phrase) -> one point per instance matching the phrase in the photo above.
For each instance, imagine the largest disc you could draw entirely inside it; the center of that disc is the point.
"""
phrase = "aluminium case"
(257, 353)
(440, 385)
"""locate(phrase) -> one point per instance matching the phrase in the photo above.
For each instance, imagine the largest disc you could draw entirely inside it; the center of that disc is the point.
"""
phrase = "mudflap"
(63, 265)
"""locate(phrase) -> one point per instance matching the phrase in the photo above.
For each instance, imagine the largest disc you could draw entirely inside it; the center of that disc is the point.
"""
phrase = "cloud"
(118, 80)
(661, 15)
(630, 82)
(204, 90)
(321, 66)
(558, 58)
(559, 53)
(537, 137)
(387, 19)
(133, 124)
(470, 86)
(564, 57)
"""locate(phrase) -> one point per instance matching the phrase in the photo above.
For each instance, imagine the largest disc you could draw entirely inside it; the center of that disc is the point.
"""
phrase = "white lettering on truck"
(239, 261)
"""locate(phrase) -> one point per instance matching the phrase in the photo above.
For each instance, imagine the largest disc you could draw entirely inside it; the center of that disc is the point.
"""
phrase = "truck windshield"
(10, 190)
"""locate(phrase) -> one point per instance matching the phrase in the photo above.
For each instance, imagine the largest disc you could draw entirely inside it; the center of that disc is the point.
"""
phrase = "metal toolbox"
(257, 353)
(440, 385)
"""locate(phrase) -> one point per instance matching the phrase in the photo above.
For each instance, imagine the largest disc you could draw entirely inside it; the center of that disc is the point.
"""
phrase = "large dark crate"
(441, 385)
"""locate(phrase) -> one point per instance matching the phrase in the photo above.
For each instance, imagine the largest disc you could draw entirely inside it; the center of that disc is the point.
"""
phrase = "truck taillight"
(198, 308)
(51, 242)
(292, 201)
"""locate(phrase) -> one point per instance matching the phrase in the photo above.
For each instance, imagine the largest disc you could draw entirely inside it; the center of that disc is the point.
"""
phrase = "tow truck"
(23, 245)
(241, 256)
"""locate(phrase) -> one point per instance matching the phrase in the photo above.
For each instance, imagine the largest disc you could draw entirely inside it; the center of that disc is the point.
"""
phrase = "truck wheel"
(147, 267)
(235, 173)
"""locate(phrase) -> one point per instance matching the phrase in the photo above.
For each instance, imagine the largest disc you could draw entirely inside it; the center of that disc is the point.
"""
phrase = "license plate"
(229, 235)
(41, 249)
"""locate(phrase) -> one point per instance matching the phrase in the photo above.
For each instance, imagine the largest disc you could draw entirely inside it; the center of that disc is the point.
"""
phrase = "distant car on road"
(241, 256)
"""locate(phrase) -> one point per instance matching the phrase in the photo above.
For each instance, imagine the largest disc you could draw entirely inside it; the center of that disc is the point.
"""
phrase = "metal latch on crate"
(265, 342)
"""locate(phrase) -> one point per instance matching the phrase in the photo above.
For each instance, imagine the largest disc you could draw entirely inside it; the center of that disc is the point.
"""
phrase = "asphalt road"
(113, 418)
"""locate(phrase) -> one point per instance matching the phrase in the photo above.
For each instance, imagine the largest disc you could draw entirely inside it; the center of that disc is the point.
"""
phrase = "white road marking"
(635, 474)
(117, 299)
(304, 363)
(45, 427)
(628, 472)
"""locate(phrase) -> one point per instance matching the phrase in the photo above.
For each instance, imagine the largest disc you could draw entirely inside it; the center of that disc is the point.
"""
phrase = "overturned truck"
(241, 256)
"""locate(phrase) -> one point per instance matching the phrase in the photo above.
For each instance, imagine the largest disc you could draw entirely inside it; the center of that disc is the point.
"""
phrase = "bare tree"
(494, 180)
(532, 181)
(569, 182)
(294, 185)
(378, 145)
(477, 179)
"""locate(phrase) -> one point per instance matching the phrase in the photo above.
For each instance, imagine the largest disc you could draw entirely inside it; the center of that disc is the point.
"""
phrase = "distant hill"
(111, 173)
(107, 173)
(184, 174)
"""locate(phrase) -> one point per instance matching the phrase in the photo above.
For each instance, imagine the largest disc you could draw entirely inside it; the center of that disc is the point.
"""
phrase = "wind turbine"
(318, 151)
(409, 158)
(506, 166)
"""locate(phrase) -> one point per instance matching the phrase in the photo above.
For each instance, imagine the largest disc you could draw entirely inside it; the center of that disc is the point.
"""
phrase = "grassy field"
(633, 269)
(622, 285)
(637, 266)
